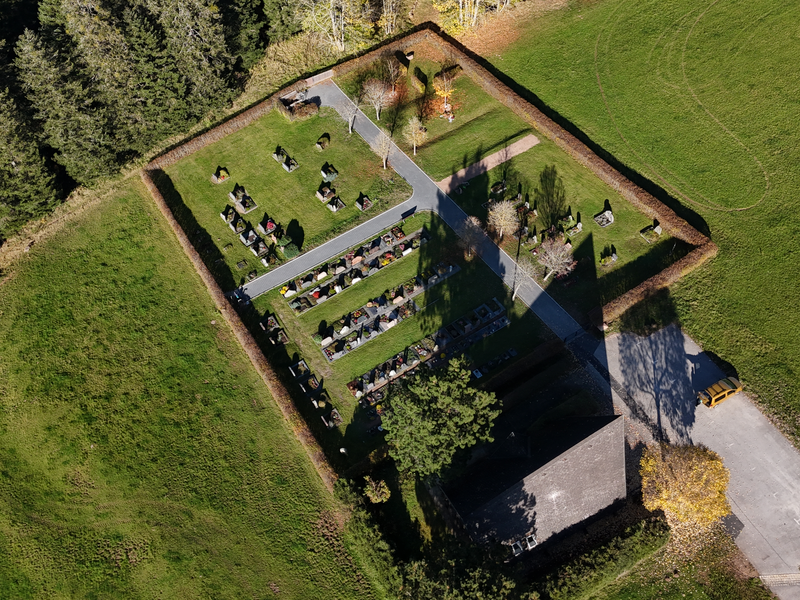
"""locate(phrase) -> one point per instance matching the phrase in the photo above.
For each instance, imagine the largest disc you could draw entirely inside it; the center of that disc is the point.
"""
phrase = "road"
(426, 196)
(661, 375)
(652, 380)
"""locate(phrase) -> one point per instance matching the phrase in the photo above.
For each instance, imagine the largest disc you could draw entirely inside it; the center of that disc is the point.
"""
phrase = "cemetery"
(272, 184)
(423, 307)
(596, 217)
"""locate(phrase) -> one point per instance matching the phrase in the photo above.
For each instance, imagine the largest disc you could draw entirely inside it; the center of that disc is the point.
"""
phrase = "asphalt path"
(652, 381)
(660, 376)
(426, 196)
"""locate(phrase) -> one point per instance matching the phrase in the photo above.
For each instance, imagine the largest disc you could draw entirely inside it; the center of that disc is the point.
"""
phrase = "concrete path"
(660, 376)
(448, 184)
(426, 196)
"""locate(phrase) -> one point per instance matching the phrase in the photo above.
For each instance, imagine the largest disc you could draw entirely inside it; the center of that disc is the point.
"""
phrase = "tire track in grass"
(715, 119)
(656, 172)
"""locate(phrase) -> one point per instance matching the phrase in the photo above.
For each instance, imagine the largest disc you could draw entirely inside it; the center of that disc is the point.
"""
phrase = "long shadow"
(658, 371)
(202, 241)
(649, 186)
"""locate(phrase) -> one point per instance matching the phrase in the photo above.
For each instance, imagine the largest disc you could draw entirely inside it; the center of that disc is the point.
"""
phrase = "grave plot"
(265, 178)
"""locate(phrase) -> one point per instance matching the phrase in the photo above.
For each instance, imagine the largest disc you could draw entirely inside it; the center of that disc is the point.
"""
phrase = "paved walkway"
(653, 383)
(426, 196)
(448, 184)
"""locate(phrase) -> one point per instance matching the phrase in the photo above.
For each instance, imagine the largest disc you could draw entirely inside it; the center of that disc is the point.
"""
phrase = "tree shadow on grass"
(697, 221)
(202, 241)
(295, 231)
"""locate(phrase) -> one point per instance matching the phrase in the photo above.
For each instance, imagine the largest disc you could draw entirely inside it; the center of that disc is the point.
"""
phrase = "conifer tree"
(26, 187)
(73, 121)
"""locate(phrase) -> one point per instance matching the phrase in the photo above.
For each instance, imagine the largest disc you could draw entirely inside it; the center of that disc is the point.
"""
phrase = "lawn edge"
(262, 366)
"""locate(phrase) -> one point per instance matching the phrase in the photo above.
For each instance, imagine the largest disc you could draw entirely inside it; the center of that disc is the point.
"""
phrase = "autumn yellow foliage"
(688, 483)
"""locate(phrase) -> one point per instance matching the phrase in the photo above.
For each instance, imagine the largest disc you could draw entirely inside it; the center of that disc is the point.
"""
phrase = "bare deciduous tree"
(471, 234)
(415, 133)
(443, 86)
(392, 71)
(502, 217)
(377, 93)
(525, 269)
(349, 112)
(555, 256)
(389, 11)
(383, 148)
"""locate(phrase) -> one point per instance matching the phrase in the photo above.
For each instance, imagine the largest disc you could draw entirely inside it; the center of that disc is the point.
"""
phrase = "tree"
(393, 69)
(471, 234)
(376, 490)
(349, 112)
(344, 23)
(27, 189)
(376, 93)
(525, 269)
(458, 15)
(383, 148)
(389, 11)
(415, 133)
(503, 217)
(550, 197)
(556, 257)
(434, 415)
(443, 86)
(73, 121)
(687, 482)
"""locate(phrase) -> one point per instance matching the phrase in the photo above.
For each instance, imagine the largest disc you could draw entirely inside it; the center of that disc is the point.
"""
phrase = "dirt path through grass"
(448, 184)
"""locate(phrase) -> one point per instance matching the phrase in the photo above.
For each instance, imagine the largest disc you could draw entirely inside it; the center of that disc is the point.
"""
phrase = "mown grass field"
(141, 454)
(442, 304)
(699, 98)
(288, 198)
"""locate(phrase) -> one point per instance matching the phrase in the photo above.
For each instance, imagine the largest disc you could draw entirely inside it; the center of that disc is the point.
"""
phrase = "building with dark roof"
(543, 486)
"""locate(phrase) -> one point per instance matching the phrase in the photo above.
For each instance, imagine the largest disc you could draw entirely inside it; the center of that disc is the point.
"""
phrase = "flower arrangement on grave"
(398, 233)
(313, 383)
(328, 352)
(239, 226)
(415, 243)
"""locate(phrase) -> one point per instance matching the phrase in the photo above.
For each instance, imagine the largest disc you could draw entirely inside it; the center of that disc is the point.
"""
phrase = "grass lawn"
(440, 305)
(482, 125)
(595, 284)
(698, 99)
(141, 454)
(288, 198)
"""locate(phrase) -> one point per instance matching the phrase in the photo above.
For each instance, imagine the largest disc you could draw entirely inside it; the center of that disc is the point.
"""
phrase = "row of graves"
(308, 383)
(380, 314)
(433, 351)
(330, 279)
(313, 389)
(254, 239)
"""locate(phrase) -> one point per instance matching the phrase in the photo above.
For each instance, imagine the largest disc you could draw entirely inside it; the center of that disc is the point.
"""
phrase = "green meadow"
(701, 100)
(142, 456)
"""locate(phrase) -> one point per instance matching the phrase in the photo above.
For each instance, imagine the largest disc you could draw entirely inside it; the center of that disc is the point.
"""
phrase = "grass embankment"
(288, 198)
(442, 304)
(141, 455)
(700, 108)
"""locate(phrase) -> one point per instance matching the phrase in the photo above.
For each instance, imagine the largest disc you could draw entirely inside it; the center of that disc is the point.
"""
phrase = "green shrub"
(593, 570)
(291, 251)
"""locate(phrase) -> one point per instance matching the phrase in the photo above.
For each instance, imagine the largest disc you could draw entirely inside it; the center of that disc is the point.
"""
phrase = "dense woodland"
(89, 85)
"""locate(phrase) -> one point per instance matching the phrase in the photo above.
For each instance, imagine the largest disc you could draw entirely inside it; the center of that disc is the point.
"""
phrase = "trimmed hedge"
(271, 380)
(614, 309)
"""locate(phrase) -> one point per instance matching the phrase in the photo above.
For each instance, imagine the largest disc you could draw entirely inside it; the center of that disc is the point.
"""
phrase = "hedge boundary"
(643, 201)
(640, 199)
(278, 391)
